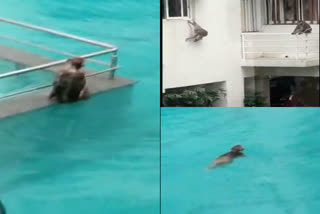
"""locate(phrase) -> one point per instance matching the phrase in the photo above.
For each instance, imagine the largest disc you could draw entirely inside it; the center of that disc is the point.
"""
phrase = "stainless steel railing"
(107, 49)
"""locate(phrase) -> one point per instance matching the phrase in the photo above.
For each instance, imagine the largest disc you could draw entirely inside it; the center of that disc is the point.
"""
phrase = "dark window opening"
(294, 91)
(185, 8)
(174, 7)
(292, 11)
(163, 9)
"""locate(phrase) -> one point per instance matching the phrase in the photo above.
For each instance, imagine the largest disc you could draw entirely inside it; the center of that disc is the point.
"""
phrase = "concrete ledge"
(39, 99)
(258, 62)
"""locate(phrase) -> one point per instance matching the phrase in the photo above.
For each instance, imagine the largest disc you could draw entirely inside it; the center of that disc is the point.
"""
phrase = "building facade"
(249, 47)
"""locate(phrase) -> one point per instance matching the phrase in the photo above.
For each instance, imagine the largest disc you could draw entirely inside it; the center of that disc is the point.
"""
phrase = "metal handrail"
(45, 48)
(49, 85)
(51, 64)
(107, 49)
(58, 33)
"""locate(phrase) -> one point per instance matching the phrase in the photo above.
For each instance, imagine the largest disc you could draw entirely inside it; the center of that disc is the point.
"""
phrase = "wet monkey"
(61, 85)
(63, 79)
(198, 32)
(236, 151)
(70, 83)
(78, 89)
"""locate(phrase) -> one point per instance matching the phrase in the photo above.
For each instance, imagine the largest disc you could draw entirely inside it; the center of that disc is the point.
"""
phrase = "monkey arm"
(191, 37)
(52, 93)
(198, 37)
(308, 30)
(84, 94)
(191, 22)
(58, 75)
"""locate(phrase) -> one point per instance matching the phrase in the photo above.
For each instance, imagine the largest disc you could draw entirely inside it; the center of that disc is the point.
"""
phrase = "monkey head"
(237, 149)
(205, 33)
(76, 62)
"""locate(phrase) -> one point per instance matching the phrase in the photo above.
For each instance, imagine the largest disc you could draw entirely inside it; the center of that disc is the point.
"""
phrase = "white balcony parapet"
(280, 49)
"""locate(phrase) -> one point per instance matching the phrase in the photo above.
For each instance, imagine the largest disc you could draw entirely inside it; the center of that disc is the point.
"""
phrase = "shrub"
(197, 97)
(254, 100)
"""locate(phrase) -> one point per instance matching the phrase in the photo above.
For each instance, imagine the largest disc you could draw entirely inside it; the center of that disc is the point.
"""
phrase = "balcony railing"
(283, 48)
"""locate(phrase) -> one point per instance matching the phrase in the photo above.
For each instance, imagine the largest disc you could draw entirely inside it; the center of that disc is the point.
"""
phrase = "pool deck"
(39, 99)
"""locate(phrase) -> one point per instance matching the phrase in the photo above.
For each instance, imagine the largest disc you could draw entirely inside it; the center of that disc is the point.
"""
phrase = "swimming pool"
(98, 156)
(279, 175)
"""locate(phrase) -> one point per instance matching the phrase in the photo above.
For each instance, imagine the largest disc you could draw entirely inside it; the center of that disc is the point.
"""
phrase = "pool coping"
(39, 98)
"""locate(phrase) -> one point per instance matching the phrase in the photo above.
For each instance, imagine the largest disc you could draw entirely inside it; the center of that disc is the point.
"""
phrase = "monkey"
(2, 209)
(61, 85)
(75, 63)
(63, 79)
(302, 27)
(236, 151)
(198, 31)
(72, 65)
(70, 83)
(78, 89)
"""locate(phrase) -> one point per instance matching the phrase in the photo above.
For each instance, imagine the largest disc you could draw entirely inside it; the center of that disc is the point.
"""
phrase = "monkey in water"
(236, 151)
(70, 82)
(198, 32)
(2, 209)
(301, 28)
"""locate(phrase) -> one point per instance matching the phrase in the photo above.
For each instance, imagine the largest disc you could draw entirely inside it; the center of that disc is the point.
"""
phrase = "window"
(175, 8)
(163, 9)
(249, 15)
(291, 11)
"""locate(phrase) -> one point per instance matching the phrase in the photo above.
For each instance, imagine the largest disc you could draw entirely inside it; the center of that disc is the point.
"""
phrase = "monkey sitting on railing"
(301, 28)
(198, 32)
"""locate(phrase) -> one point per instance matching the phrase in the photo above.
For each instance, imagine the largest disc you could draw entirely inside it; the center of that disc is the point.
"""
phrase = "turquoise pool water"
(98, 156)
(279, 175)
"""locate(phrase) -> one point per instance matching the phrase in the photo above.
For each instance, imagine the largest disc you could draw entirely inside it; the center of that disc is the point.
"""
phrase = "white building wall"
(216, 58)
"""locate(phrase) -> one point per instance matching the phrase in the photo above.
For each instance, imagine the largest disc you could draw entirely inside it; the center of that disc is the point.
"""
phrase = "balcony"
(279, 50)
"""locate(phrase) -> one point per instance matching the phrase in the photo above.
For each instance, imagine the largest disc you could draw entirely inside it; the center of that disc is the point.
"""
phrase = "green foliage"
(254, 100)
(197, 97)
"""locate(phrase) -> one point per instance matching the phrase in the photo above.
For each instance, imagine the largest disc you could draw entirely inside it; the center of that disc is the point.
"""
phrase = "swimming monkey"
(198, 32)
(302, 27)
(70, 82)
(236, 151)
